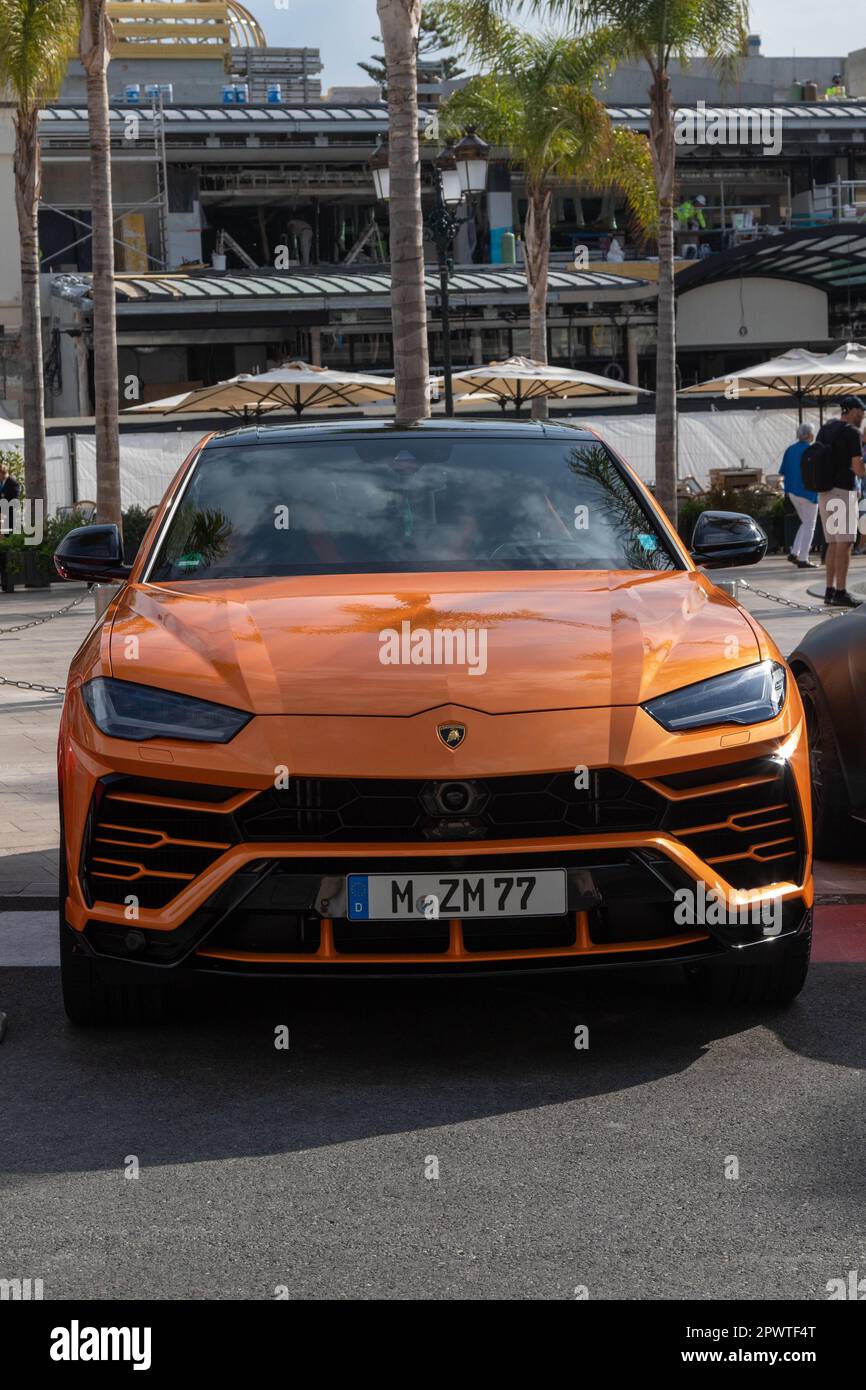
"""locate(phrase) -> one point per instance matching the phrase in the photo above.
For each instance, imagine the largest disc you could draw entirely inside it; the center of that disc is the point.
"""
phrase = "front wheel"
(771, 974)
(836, 834)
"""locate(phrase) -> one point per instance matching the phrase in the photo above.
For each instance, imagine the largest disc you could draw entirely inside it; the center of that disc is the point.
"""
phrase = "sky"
(342, 30)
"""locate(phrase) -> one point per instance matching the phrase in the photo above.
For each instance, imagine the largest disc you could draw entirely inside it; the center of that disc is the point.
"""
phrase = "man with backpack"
(829, 467)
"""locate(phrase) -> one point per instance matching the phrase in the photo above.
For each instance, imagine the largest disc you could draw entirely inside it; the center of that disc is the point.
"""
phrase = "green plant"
(135, 522)
(537, 102)
(767, 508)
(54, 530)
(13, 459)
(434, 36)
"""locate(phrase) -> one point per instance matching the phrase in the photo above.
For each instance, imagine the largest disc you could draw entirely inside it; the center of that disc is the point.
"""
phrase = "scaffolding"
(182, 29)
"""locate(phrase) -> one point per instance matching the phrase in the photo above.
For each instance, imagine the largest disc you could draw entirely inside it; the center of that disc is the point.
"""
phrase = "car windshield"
(398, 504)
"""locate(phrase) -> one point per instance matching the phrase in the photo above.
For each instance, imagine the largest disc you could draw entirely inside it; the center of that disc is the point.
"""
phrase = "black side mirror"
(92, 553)
(722, 539)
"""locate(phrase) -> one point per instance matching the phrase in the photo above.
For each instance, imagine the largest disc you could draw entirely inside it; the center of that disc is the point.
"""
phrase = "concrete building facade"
(250, 233)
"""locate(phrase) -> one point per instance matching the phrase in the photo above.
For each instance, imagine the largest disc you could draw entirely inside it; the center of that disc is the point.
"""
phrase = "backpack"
(818, 464)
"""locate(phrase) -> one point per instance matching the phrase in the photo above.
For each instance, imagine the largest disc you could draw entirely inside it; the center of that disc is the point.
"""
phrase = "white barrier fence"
(708, 439)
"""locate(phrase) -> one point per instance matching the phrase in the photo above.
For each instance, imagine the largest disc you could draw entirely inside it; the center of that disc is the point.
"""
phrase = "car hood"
(367, 644)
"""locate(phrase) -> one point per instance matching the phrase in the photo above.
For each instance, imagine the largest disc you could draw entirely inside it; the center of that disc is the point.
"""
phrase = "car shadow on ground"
(368, 1059)
(29, 877)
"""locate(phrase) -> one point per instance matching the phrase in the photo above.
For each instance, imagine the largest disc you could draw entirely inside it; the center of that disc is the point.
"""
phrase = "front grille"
(397, 938)
(519, 933)
(748, 829)
(149, 839)
(492, 808)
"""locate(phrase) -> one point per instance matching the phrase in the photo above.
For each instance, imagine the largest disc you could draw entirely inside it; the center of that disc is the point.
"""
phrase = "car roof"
(346, 429)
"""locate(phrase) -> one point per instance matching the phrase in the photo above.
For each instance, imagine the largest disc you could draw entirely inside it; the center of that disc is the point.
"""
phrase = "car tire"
(759, 978)
(835, 833)
(89, 1000)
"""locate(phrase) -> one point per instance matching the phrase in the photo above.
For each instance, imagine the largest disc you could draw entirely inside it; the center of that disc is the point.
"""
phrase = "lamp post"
(459, 172)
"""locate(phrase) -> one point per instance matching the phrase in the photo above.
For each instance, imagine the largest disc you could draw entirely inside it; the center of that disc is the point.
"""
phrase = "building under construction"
(248, 228)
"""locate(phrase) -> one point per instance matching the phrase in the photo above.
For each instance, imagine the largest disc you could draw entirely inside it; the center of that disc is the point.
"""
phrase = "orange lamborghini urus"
(448, 700)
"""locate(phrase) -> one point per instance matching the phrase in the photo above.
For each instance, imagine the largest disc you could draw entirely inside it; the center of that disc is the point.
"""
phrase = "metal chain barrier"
(825, 609)
(33, 685)
(45, 617)
(37, 622)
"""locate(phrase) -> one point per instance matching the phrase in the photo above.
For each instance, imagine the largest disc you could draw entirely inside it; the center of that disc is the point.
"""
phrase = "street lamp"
(458, 172)
(381, 172)
(471, 156)
(449, 175)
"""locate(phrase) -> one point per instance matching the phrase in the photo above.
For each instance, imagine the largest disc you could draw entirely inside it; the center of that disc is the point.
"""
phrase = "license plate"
(372, 897)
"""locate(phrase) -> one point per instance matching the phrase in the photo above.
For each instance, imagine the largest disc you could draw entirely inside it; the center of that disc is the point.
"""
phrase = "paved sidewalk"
(28, 798)
(28, 779)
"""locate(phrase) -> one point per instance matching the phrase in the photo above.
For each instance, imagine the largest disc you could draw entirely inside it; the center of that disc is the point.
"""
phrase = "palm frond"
(540, 106)
(37, 40)
(628, 167)
(654, 30)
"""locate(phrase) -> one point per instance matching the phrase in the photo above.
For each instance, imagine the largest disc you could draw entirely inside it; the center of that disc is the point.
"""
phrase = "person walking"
(804, 502)
(837, 503)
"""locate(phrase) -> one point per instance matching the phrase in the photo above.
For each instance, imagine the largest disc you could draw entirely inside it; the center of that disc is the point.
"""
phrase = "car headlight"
(124, 709)
(746, 696)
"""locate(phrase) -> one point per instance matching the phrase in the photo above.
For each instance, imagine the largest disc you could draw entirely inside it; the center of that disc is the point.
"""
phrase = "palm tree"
(539, 105)
(400, 22)
(37, 39)
(94, 49)
(653, 32)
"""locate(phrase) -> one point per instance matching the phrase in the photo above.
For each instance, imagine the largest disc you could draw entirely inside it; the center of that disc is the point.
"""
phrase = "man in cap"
(837, 503)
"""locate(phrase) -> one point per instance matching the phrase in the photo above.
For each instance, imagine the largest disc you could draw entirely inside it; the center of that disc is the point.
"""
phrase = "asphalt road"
(557, 1168)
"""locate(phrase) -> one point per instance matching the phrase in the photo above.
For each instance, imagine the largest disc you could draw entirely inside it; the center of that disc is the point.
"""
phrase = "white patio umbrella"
(844, 370)
(10, 433)
(799, 374)
(520, 379)
(296, 386)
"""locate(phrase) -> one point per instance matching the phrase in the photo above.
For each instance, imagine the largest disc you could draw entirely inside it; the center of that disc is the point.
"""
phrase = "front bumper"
(182, 861)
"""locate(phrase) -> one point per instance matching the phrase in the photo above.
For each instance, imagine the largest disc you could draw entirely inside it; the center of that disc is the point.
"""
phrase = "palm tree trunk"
(28, 184)
(663, 150)
(400, 22)
(95, 54)
(537, 259)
